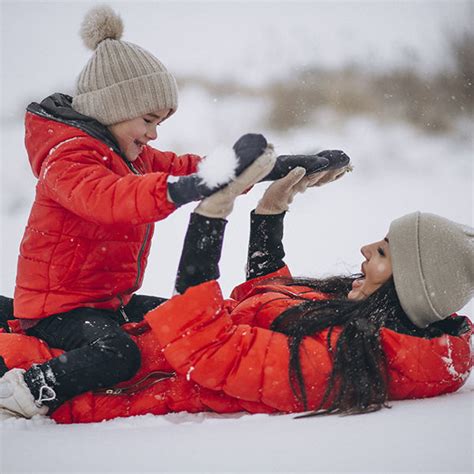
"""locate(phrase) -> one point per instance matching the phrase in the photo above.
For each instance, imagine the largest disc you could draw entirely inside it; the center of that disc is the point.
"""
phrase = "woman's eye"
(381, 251)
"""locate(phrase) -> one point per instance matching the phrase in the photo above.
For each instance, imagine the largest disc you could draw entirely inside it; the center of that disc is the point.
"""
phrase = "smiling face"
(377, 269)
(132, 135)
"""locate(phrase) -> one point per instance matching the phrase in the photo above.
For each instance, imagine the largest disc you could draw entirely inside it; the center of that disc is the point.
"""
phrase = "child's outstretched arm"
(171, 163)
(75, 177)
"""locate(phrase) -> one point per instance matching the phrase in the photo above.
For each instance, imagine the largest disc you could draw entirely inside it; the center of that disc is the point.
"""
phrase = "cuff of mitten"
(265, 253)
(201, 253)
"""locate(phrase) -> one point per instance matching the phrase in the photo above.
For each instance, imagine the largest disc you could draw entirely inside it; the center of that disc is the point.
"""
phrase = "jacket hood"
(54, 121)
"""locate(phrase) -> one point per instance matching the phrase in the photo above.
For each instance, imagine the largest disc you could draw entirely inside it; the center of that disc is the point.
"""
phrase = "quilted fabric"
(88, 235)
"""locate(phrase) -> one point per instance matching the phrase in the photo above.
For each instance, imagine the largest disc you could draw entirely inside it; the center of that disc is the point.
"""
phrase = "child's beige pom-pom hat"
(121, 81)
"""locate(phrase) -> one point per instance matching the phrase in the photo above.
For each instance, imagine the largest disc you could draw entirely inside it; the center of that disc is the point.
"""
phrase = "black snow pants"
(99, 353)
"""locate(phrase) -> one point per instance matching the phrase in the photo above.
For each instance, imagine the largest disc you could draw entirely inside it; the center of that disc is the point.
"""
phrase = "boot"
(16, 399)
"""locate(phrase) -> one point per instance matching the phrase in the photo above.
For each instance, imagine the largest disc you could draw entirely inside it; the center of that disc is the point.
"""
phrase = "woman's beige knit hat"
(433, 266)
(121, 81)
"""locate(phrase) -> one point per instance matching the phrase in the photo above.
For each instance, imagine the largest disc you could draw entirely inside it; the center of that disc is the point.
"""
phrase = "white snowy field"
(432, 435)
(397, 170)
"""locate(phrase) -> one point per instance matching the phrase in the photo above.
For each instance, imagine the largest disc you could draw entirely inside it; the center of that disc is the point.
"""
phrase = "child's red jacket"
(203, 353)
(88, 236)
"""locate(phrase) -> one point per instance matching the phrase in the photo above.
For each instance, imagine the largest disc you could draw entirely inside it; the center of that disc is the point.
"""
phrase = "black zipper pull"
(124, 314)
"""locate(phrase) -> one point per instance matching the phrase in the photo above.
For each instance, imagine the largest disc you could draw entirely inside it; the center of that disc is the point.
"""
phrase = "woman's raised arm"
(203, 242)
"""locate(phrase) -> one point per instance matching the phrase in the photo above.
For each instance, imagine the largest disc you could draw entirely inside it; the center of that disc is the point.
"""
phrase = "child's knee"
(120, 354)
(132, 357)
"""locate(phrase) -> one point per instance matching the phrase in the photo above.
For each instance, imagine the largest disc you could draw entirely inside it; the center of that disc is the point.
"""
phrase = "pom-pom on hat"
(433, 266)
(121, 81)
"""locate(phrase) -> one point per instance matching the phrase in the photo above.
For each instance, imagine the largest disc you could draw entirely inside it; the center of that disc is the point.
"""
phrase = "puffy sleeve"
(77, 179)
(200, 339)
(241, 291)
(171, 163)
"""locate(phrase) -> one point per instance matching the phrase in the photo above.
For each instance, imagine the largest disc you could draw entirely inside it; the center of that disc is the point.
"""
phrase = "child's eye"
(146, 120)
(381, 251)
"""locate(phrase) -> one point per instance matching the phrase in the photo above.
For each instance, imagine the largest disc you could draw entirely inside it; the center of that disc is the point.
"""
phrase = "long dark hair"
(358, 381)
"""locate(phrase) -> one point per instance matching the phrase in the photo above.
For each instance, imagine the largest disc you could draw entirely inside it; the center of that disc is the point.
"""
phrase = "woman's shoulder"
(265, 301)
(430, 365)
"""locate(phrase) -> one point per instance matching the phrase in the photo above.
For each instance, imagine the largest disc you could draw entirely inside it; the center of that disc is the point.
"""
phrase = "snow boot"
(16, 399)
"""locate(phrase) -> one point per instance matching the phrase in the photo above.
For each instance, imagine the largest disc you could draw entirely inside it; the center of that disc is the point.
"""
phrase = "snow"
(432, 435)
(398, 170)
(218, 167)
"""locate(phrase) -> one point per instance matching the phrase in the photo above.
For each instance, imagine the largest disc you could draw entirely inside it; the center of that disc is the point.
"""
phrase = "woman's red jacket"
(88, 236)
(203, 353)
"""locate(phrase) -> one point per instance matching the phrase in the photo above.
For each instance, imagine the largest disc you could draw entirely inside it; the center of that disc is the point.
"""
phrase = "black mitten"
(193, 188)
(323, 161)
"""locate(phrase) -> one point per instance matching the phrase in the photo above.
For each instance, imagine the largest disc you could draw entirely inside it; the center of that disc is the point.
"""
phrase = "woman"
(288, 345)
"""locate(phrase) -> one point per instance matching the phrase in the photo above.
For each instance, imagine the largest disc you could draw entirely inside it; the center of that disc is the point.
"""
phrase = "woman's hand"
(220, 204)
(279, 195)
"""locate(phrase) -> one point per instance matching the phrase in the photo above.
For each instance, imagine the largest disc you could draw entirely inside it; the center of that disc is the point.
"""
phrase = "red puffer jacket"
(203, 353)
(88, 235)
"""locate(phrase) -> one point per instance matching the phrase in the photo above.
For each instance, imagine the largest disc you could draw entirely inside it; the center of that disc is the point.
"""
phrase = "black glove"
(323, 161)
(192, 188)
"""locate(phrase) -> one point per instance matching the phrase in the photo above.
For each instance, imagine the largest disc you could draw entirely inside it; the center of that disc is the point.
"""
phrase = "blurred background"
(389, 82)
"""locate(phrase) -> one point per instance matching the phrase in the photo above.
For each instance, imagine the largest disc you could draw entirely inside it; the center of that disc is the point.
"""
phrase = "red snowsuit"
(89, 232)
(203, 353)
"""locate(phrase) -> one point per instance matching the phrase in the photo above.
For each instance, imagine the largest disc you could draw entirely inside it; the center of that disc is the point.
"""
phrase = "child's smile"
(132, 135)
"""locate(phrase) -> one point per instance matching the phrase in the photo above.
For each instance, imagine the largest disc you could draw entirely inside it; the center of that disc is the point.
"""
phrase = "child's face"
(133, 134)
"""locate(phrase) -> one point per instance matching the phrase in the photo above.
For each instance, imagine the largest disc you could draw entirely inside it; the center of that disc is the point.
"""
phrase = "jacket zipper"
(140, 253)
(122, 310)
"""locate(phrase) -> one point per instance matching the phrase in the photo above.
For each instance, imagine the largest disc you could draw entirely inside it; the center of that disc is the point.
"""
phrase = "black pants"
(98, 352)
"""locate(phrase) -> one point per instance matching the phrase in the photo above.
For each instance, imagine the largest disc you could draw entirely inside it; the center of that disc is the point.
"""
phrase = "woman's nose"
(365, 251)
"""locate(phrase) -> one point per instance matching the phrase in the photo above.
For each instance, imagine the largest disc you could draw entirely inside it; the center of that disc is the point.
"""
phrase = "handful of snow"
(218, 167)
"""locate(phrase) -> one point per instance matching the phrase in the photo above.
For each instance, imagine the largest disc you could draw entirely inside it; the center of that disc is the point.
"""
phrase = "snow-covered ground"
(433, 435)
(397, 170)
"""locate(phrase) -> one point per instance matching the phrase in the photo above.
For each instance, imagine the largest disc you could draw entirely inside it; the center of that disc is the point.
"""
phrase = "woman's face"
(132, 135)
(377, 269)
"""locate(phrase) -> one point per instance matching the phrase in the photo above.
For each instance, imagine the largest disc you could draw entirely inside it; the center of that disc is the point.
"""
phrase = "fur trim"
(100, 23)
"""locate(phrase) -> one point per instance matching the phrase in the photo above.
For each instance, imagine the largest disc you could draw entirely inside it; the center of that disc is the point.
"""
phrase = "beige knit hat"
(433, 266)
(121, 81)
